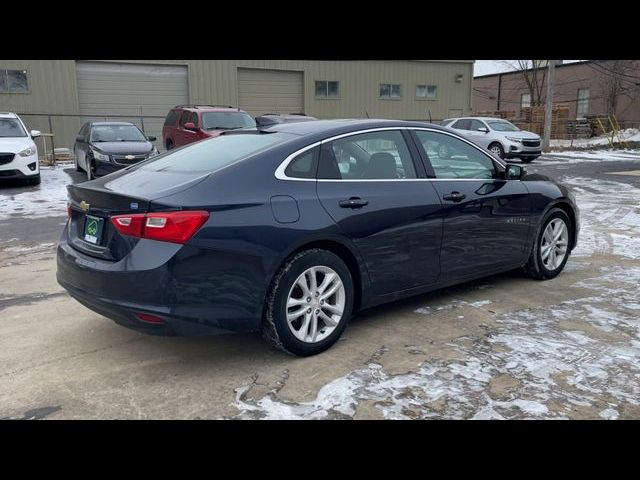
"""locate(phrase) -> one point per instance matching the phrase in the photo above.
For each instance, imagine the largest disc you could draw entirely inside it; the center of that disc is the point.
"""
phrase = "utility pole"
(548, 108)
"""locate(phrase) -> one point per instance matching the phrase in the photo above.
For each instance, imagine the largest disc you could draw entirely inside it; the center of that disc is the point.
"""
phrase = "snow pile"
(626, 135)
(595, 156)
(554, 369)
(610, 223)
(49, 199)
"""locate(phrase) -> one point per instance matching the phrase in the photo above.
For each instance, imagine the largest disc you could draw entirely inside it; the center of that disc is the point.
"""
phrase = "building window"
(426, 91)
(525, 100)
(583, 102)
(327, 89)
(390, 90)
(13, 81)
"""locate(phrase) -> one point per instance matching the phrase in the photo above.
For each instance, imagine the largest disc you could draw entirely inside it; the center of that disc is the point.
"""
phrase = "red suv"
(189, 123)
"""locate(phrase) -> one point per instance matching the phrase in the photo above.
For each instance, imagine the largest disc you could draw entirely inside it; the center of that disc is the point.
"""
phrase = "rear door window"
(171, 118)
(476, 124)
(464, 124)
(380, 155)
(185, 118)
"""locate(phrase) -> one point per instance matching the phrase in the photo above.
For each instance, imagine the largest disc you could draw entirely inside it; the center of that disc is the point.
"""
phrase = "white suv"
(18, 152)
(500, 137)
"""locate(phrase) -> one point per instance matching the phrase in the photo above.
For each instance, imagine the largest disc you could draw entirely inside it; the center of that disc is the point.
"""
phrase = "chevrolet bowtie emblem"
(84, 205)
(130, 157)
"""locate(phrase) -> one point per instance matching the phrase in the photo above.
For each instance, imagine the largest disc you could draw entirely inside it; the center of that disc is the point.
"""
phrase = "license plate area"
(93, 229)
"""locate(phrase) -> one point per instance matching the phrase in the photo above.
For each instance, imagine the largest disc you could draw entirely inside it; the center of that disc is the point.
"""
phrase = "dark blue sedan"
(291, 229)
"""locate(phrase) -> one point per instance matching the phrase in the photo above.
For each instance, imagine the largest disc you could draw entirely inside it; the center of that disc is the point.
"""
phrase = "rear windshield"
(226, 120)
(11, 127)
(215, 153)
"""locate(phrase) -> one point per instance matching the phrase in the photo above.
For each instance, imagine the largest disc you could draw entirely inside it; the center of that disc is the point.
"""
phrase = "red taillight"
(148, 318)
(132, 225)
(175, 227)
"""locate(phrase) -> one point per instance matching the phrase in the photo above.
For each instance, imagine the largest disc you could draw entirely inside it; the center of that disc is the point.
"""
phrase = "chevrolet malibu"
(292, 229)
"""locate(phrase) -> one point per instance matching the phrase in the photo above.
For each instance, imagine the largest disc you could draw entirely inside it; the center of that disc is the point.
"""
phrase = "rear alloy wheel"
(551, 249)
(309, 303)
(497, 150)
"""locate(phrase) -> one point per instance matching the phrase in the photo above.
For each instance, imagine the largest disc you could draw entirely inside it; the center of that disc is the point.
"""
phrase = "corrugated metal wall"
(53, 88)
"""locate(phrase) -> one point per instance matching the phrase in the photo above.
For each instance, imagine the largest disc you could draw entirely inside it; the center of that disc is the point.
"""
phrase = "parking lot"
(501, 347)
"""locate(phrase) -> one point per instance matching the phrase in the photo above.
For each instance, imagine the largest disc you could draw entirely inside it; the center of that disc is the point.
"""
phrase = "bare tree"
(533, 73)
(619, 78)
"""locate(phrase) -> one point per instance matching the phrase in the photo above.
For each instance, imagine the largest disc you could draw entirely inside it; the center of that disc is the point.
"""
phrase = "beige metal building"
(58, 96)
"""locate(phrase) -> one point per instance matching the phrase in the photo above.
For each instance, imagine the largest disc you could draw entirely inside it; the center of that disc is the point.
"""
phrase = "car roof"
(8, 115)
(112, 123)
(339, 126)
(208, 108)
(479, 118)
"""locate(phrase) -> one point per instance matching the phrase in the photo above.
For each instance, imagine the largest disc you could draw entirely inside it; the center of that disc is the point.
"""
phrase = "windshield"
(502, 126)
(213, 154)
(11, 127)
(227, 120)
(116, 133)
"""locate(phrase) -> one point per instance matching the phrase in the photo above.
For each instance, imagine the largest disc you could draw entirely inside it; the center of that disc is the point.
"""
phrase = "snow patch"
(49, 199)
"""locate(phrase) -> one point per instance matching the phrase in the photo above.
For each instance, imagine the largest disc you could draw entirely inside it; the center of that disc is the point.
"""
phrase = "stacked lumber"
(579, 128)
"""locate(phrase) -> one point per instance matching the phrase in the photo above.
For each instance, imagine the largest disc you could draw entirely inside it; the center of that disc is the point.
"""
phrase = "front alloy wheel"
(554, 245)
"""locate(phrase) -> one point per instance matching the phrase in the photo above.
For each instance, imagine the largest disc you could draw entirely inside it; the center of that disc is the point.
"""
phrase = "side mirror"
(514, 172)
(80, 138)
(35, 133)
(483, 129)
(190, 126)
(151, 138)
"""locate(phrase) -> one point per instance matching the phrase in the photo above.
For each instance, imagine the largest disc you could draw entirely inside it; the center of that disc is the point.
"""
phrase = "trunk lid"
(90, 230)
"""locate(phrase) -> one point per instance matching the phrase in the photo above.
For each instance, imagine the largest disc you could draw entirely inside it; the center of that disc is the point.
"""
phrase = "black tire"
(275, 328)
(169, 145)
(75, 159)
(499, 150)
(35, 180)
(535, 268)
(90, 174)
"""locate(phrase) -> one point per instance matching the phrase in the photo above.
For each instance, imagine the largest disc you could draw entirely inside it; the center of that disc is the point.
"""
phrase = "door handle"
(353, 202)
(455, 197)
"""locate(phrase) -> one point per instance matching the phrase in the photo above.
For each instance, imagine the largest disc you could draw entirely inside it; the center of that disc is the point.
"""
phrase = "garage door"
(270, 91)
(131, 89)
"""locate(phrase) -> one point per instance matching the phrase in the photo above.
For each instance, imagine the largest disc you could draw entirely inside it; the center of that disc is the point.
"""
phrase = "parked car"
(499, 136)
(269, 119)
(105, 147)
(191, 123)
(290, 230)
(18, 152)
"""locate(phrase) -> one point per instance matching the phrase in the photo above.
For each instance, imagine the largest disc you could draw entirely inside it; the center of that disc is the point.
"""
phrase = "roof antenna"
(430, 121)
(367, 113)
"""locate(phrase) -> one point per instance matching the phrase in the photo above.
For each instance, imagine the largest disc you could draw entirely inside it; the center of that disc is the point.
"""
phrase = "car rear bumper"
(179, 284)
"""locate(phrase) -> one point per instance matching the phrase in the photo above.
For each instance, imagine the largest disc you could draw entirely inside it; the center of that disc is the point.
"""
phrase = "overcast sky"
(484, 67)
